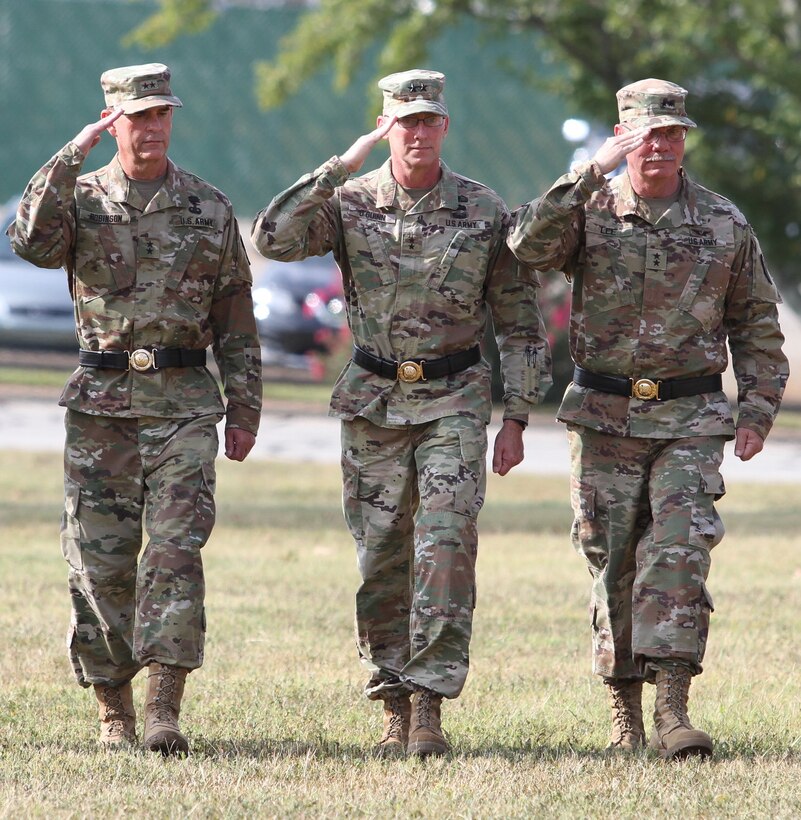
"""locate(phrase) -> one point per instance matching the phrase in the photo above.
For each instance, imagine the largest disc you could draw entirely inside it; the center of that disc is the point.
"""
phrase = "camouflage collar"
(117, 181)
(172, 193)
(445, 195)
(683, 212)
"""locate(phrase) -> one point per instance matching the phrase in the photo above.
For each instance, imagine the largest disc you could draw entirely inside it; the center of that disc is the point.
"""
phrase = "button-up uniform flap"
(712, 481)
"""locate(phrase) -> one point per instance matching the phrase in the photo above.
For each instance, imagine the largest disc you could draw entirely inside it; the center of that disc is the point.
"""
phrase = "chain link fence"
(52, 52)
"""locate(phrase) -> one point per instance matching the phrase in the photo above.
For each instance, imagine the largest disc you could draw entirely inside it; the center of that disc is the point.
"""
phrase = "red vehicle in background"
(300, 310)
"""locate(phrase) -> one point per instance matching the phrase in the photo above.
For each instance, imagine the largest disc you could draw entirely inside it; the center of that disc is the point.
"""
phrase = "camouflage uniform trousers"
(645, 522)
(411, 500)
(119, 473)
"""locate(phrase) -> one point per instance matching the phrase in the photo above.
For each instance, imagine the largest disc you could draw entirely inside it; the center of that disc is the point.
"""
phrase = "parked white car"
(35, 304)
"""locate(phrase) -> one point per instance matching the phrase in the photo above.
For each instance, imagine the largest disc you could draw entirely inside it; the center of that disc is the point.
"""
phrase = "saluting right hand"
(354, 157)
(616, 148)
(90, 135)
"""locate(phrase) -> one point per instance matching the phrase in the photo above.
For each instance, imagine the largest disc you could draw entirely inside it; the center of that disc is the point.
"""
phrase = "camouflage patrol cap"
(654, 103)
(137, 87)
(412, 92)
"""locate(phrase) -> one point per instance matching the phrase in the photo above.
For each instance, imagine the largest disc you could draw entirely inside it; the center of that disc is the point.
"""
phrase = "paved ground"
(314, 438)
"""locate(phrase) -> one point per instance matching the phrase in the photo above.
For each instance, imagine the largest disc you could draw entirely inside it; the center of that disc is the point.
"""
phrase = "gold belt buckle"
(410, 372)
(644, 389)
(142, 360)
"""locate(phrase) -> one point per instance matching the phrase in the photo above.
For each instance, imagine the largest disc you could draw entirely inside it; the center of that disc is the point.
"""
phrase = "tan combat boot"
(397, 714)
(628, 732)
(165, 688)
(425, 735)
(117, 715)
(674, 735)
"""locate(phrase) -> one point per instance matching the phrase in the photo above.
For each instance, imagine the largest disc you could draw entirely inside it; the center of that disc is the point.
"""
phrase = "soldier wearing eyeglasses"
(424, 262)
(664, 273)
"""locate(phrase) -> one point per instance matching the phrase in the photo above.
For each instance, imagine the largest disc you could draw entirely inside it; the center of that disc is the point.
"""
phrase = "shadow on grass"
(324, 751)
(327, 750)
(272, 749)
(560, 753)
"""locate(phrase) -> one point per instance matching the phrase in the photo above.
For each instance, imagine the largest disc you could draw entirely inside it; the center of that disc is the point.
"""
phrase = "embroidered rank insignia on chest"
(656, 259)
(148, 248)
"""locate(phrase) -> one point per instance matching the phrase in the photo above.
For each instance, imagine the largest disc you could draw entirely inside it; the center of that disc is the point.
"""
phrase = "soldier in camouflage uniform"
(423, 258)
(158, 273)
(663, 273)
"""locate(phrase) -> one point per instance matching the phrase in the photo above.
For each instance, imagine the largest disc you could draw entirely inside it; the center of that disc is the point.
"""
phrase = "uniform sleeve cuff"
(757, 422)
(333, 172)
(70, 154)
(246, 418)
(590, 175)
(521, 419)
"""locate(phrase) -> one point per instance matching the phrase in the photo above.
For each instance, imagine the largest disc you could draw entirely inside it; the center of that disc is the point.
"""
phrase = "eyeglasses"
(673, 133)
(430, 121)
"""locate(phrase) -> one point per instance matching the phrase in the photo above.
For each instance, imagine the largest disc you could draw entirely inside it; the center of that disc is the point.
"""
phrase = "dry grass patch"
(276, 719)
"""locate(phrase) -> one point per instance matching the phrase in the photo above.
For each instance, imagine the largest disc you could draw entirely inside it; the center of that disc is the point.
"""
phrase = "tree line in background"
(740, 60)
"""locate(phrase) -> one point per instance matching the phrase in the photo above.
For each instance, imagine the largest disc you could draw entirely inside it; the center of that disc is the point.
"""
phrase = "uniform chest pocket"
(194, 269)
(703, 296)
(460, 270)
(376, 269)
(605, 282)
(104, 260)
(446, 261)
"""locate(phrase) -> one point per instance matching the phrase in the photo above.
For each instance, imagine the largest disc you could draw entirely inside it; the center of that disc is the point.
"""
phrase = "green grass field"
(276, 719)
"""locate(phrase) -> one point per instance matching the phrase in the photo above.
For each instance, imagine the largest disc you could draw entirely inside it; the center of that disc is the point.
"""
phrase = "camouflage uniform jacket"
(658, 298)
(418, 279)
(169, 273)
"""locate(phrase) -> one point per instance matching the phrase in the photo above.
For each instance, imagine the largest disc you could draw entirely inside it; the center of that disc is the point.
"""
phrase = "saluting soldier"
(664, 273)
(423, 259)
(158, 273)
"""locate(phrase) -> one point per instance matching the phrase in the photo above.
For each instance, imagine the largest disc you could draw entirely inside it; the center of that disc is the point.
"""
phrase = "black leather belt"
(647, 389)
(143, 359)
(414, 370)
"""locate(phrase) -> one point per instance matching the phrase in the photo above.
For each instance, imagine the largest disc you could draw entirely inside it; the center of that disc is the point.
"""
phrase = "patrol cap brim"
(133, 106)
(417, 107)
(660, 122)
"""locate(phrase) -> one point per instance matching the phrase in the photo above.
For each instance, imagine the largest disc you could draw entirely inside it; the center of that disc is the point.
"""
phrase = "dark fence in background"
(52, 52)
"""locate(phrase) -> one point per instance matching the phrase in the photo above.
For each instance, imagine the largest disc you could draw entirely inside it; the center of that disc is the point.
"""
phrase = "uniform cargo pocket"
(706, 527)
(70, 525)
(588, 531)
(351, 500)
(469, 495)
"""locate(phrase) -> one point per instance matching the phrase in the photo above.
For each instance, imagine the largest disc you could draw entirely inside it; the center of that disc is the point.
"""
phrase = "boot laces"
(677, 685)
(112, 699)
(395, 728)
(623, 710)
(165, 691)
(424, 710)
(622, 717)
(114, 715)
